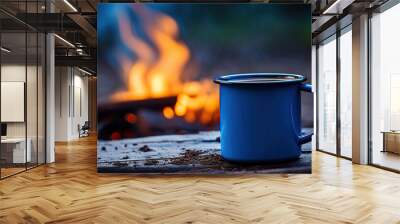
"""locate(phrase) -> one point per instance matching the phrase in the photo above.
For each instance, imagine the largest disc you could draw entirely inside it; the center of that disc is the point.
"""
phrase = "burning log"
(158, 71)
(157, 98)
(134, 105)
(120, 120)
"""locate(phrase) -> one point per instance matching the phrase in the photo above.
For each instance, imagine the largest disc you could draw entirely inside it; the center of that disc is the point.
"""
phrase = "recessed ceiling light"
(5, 50)
(329, 9)
(70, 5)
(84, 71)
(337, 7)
(64, 40)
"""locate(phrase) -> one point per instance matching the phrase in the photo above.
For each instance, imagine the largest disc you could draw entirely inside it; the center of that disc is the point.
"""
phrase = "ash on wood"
(194, 153)
(197, 157)
(145, 148)
(150, 162)
(188, 157)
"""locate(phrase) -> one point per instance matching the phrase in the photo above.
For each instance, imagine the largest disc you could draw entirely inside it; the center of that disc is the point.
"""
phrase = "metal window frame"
(337, 34)
(381, 9)
(318, 90)
(387, 5)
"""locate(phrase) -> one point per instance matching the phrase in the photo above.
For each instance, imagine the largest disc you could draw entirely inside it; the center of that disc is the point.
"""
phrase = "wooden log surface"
(191, 153)
(134, 105)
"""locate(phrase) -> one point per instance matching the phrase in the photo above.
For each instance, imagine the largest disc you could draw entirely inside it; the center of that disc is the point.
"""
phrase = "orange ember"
(168, 112)
(158, 70)
(115, 136)
(131, 118)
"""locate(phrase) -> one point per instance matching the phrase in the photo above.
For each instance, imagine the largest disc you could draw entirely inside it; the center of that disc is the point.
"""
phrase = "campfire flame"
(158, 70)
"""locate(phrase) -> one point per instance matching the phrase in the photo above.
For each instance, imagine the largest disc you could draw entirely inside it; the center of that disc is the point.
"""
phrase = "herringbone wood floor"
(71, 191)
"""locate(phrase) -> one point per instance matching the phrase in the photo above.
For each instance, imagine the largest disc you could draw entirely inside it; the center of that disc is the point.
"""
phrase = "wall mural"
(163, 94)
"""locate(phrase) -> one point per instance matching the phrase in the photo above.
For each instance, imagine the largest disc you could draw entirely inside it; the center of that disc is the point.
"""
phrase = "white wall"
(61, 103)
(33, 126)
(12, 73)
(71, 102)
(80, 102)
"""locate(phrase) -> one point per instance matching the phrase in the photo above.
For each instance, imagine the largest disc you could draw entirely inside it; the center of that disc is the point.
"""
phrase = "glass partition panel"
(14, 153)
(327, 95)
(22, 77)
(33, 65)
(346, 92)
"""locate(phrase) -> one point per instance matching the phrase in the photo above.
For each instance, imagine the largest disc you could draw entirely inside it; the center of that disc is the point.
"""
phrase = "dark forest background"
(223, 39)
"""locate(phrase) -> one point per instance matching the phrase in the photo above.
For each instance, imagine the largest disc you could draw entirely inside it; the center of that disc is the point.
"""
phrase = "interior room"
(72, 105)
(22, 102)
(73, 112)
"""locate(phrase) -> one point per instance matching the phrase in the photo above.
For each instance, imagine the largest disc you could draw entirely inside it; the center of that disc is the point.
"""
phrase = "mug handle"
(305, 137)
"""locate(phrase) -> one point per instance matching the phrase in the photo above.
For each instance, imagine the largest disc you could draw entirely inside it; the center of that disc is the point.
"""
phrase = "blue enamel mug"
(260, 117)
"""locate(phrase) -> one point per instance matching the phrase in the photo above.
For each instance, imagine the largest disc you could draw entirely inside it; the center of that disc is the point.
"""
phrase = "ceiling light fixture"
(5, 50)
(79, 51)
(84, 71)
(64, 40)
(70, 5)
